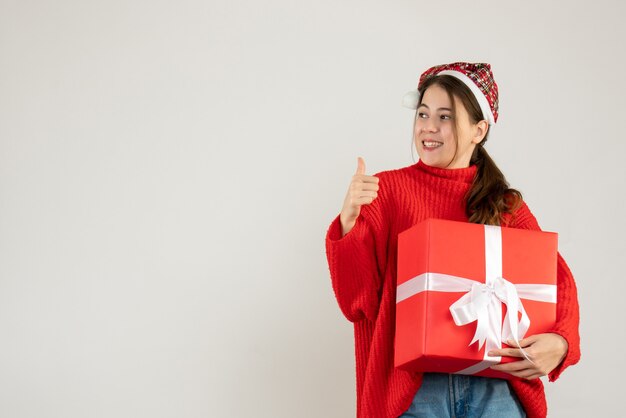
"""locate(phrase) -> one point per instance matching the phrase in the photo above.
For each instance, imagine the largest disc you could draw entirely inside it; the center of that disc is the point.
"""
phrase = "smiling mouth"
(432, 144)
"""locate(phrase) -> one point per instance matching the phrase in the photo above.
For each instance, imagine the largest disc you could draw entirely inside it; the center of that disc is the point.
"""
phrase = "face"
(434, 130)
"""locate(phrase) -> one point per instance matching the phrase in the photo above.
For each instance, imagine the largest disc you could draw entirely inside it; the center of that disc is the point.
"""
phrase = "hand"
(362, 191)
(545, 350)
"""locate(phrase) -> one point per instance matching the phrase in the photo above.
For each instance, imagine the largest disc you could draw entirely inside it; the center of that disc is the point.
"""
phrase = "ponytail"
(490, 197)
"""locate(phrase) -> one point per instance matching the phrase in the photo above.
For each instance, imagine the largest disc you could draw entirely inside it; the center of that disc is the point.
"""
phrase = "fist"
(362, 191)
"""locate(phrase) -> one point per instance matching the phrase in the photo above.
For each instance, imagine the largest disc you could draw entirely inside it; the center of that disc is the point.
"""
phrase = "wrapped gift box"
(456, 283)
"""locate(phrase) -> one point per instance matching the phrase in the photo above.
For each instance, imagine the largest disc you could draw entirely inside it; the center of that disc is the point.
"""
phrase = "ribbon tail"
(482, 328)
(512, 329)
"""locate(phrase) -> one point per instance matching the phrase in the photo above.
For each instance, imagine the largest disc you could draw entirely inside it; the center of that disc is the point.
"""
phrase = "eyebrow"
(441, 108)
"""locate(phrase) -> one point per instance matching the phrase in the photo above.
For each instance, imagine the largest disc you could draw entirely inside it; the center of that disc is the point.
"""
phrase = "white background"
(168, 171)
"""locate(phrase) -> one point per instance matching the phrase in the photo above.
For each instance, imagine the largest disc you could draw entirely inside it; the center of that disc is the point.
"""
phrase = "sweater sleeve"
(357, 260)
(567, 309)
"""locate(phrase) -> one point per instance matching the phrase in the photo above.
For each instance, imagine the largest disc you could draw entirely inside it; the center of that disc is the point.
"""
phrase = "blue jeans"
(462, 396)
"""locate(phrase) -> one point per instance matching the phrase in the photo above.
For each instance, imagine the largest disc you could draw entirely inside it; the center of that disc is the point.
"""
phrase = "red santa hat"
(477, 76)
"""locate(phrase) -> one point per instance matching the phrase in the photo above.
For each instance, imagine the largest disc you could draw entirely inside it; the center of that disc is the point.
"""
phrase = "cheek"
(417, 129)
(448, 134)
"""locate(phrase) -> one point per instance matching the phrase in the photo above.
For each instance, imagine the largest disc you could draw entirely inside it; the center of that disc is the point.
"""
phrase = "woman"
(454, 179)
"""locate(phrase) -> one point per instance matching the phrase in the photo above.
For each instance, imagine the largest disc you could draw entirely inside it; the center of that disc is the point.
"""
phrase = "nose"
(428, 125)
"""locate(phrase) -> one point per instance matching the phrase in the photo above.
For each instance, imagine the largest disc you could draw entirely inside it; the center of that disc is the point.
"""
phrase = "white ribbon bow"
(483, 304)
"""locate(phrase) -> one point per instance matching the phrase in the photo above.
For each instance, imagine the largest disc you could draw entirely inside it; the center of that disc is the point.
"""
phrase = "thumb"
(360, 166)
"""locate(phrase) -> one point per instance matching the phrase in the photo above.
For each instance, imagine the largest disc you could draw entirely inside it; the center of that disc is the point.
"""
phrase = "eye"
(446, 117)
(422, 115)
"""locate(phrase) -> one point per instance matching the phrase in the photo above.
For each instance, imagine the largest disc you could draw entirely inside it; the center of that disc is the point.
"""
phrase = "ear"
(480, 130)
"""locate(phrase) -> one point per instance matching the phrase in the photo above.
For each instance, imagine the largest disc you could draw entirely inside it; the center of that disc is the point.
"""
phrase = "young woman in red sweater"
(456, 106)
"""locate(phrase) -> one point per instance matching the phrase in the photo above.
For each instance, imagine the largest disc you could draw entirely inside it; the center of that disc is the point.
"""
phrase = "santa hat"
(477, 76)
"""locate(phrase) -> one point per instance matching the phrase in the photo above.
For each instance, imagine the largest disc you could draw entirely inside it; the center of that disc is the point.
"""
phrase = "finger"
(525, 342)
(529, 373)
(364, 178)
(359, 189)
(511, 352)
(370, 186)
(368, 194)
(513, 366)
(360, 166)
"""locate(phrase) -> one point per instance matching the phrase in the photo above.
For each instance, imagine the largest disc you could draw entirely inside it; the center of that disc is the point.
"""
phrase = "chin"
(432, 161)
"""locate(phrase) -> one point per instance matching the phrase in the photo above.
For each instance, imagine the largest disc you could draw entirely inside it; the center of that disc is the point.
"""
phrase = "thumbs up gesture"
(362, 191)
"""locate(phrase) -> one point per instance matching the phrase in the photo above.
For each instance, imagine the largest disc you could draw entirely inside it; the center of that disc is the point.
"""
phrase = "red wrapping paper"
(426, 337)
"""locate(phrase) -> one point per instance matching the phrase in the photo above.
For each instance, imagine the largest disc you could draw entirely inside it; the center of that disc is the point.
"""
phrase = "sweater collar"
(464, 175)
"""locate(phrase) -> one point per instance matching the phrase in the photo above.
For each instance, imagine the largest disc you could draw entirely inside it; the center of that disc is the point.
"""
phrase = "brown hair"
(490, 196)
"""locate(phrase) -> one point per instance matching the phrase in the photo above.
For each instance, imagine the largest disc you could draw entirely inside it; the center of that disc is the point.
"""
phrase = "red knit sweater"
(363, 273)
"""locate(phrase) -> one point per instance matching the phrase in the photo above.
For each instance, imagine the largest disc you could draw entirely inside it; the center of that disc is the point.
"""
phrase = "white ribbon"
(482, 302)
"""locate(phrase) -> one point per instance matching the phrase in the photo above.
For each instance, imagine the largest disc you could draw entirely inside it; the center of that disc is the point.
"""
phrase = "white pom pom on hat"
(411, 99)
